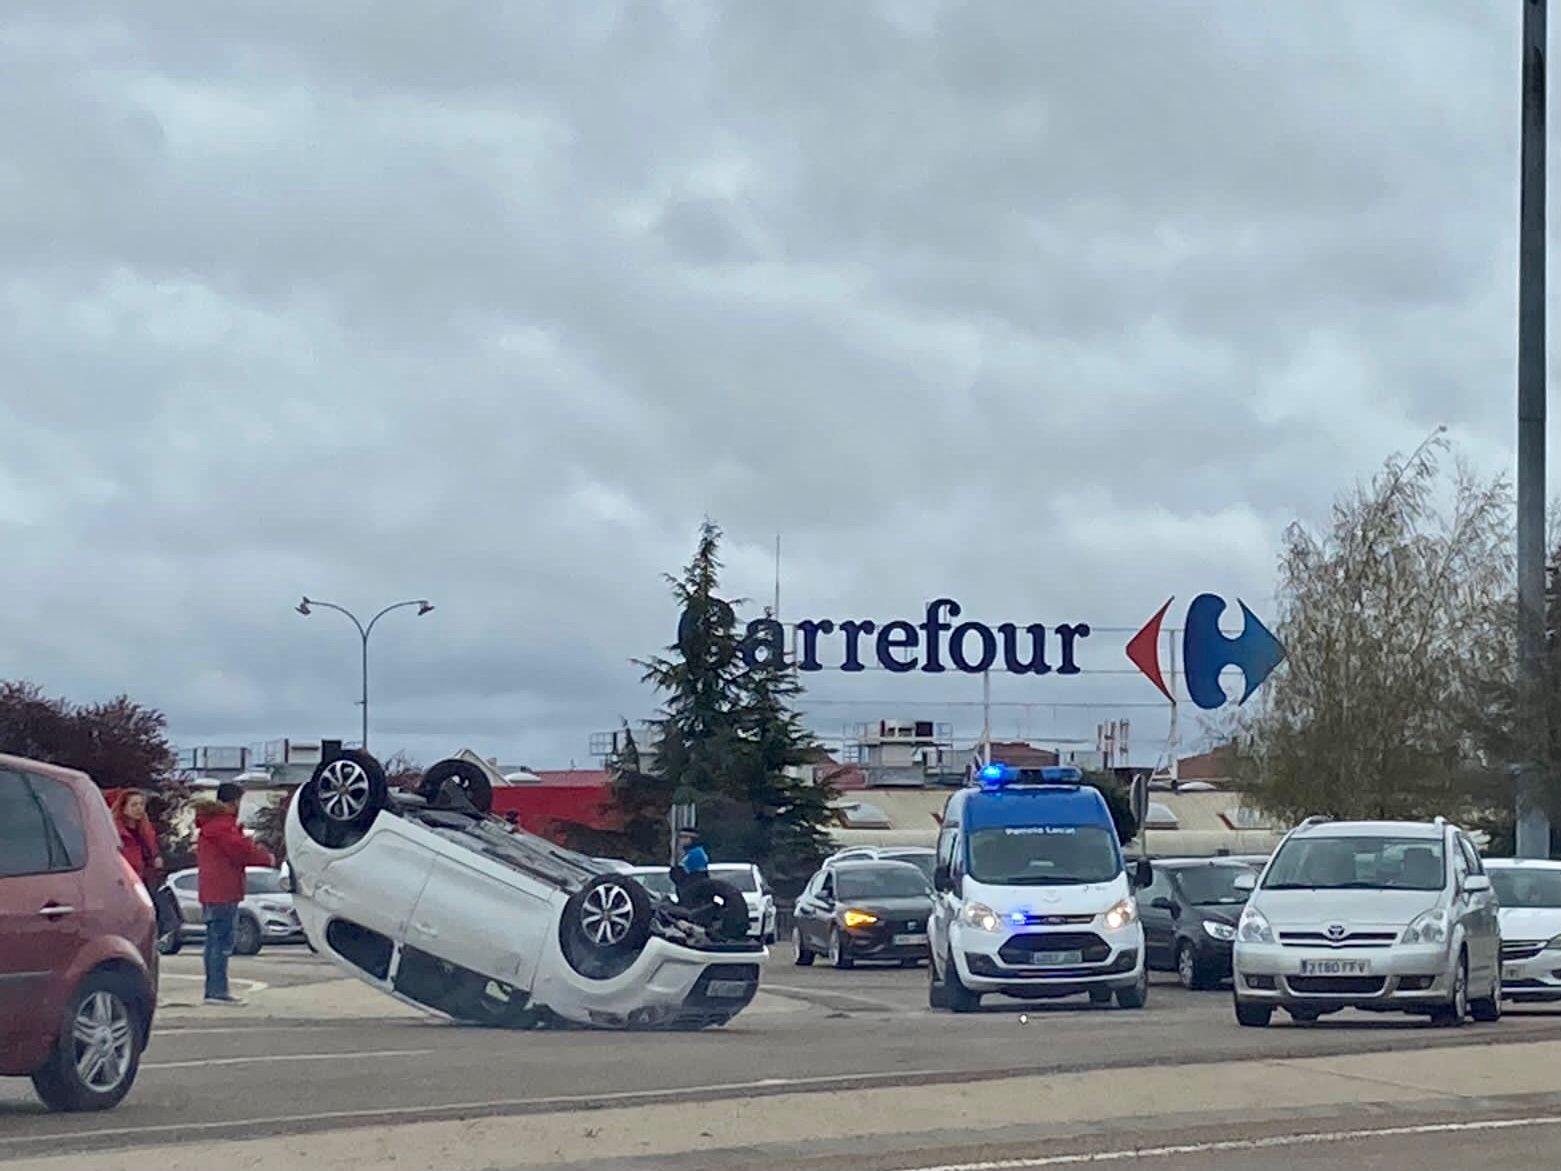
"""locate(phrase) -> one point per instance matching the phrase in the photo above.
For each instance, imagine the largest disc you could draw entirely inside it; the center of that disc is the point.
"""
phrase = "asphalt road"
(220, 1077)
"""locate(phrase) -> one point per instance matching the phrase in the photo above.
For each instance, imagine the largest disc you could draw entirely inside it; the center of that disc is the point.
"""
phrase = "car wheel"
(1135, 995)
(342, 798)
(1456, 1010)
(468, 778)
(937, 990)
(1253, 1016)
(170, 944)
(605, 925)
(839, 951)
(804, 957)
(960, 998)
(246, 936)
(95, 1059)
(1188, 972)
(1487, 1009)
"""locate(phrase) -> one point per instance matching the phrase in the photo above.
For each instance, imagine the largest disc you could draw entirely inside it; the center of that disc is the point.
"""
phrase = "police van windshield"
(1045, 855)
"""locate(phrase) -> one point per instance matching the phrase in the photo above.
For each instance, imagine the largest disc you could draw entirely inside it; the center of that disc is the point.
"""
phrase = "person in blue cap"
(693, 860)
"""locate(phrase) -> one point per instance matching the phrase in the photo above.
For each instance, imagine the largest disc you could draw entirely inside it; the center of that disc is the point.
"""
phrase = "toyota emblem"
(1336, 931)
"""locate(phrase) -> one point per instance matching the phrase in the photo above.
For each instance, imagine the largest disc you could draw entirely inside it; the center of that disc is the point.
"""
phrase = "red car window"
(65, 813)
(25, 837)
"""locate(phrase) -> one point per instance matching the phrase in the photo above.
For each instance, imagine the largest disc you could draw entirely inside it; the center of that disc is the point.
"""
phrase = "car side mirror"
(1245, 882)
(1476, 884)
(941, 878)
(1144, 874)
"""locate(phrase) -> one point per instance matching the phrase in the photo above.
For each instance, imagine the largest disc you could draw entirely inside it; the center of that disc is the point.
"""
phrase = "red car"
(78, 955)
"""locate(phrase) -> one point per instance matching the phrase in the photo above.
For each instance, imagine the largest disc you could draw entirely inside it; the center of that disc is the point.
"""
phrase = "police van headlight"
(1122, 914)
(981, 917)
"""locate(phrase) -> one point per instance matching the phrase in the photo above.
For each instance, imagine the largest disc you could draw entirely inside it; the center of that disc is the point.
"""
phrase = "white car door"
(484, 916)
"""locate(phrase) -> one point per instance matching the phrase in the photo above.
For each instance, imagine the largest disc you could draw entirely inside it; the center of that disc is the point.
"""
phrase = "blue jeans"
(219, 918)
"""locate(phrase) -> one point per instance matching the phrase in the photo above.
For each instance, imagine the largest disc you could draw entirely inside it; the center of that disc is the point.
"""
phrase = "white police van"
(1033, 897)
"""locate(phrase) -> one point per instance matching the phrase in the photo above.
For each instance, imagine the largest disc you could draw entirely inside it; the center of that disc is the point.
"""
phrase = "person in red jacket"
(222, 851)
(137, 836)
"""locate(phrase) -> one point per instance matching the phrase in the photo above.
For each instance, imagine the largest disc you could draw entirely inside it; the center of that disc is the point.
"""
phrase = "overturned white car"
(431, 899)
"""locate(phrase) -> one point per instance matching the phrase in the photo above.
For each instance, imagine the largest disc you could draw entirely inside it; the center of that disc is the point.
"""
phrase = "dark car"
(859, 910)
(78, 955)
(1189, 913)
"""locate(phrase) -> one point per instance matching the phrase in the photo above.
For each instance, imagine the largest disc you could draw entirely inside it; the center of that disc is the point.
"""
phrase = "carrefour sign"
(939, 643)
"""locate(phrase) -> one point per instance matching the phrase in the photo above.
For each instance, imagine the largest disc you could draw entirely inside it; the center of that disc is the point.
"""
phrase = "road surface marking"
(415, 1113)
(351, 1055)
(820, 996)
(1316, 1138)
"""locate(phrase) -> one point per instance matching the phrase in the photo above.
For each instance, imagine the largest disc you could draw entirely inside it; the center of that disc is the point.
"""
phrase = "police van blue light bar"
(996, 775)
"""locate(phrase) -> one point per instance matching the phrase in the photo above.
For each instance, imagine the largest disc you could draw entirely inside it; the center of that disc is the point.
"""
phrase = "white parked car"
(266, 916)
(432, 900)
(1529, 891)
(749, 880)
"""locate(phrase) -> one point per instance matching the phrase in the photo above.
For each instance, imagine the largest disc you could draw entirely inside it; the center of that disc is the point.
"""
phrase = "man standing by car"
(222, 852)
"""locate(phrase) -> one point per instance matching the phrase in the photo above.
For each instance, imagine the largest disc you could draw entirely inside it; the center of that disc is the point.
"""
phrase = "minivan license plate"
(1335, 967)
(728, 989)
(1056, 959)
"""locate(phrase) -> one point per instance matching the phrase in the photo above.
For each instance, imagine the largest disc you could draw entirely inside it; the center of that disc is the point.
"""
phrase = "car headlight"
(981, 917)
(1221, 931)
(1122, 914)
(855, 918)
(1430, 927)
(1254, 927)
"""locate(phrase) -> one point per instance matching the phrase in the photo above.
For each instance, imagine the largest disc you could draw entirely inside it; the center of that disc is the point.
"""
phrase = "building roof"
(1021, 754)
(1214, 765)
(570, 777)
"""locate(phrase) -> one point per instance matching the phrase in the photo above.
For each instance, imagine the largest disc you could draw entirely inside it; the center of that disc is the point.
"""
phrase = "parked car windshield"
(1358, 863)
(263, 882)
(1046, 855)
(890, 881)
(739, 876)
(1211, 885)
(1523, 887)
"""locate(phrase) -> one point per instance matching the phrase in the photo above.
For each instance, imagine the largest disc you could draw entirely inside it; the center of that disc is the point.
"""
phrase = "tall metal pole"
(365, 741)
(1533, 826)
(423, 605)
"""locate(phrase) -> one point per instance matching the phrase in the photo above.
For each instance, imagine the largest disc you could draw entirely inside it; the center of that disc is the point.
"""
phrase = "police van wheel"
(1135, 995)
(960, 998)
(937, 991)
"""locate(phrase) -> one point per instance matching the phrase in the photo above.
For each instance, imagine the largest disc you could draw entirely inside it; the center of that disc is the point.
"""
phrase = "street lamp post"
(423, 607)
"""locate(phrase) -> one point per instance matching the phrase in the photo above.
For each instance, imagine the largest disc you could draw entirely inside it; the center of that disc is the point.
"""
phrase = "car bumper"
(986, 962)
(1401, 977)
(1537, 977)
(870, 943)
(669, 985)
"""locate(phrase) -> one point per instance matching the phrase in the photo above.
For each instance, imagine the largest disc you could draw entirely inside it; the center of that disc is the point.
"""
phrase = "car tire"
(1453, 1014)
(803, 957)
(107, 1006)
(960, 998)
(1253, 1016)
(605, 925)
(246, 936)
(839, 952)
(341, 799)
(1487, 1009)
(1189, 973)
(937, 990)
(1135, 995)
(467, 777)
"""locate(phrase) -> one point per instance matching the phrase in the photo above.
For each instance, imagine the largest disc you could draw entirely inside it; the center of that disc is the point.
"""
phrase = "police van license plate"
(1335, 967)
(909, 940)
(727, 989)
(1056, 959)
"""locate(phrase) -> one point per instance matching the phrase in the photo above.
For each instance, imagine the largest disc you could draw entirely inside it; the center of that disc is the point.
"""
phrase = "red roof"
(1019, 754)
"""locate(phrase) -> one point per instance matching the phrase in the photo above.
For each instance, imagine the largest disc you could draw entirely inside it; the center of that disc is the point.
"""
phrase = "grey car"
(265, 916)
(1387, 916)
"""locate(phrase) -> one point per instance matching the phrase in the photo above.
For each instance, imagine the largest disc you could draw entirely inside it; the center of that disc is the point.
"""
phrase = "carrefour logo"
(1207, 650)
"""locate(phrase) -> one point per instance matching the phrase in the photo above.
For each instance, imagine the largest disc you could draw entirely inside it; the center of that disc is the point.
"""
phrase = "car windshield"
(923, 862)
(890, 881)
(1368, 862)
(1210, 885)
(1044, 855)
(739, 876)
(658, 882)
(1522, 887)
(263, 882)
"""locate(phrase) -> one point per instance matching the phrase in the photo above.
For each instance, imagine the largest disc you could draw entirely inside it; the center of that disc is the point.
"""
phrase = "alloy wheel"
(344, 790)
(607, 914)
(104, 1042)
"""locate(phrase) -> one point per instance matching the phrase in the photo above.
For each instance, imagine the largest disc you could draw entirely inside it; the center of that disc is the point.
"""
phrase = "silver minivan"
(1387, 916)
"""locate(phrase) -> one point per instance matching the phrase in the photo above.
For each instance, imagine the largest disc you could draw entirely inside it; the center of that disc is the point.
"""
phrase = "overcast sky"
(1055, 308)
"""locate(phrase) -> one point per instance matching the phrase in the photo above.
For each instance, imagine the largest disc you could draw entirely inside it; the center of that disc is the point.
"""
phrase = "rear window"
(24, 834)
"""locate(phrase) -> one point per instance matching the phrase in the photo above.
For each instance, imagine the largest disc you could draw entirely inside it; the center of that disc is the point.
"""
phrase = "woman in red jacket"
(137, 836)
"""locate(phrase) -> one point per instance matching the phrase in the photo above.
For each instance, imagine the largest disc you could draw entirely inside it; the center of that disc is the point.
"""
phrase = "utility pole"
(305, 608)
(1533, 826)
